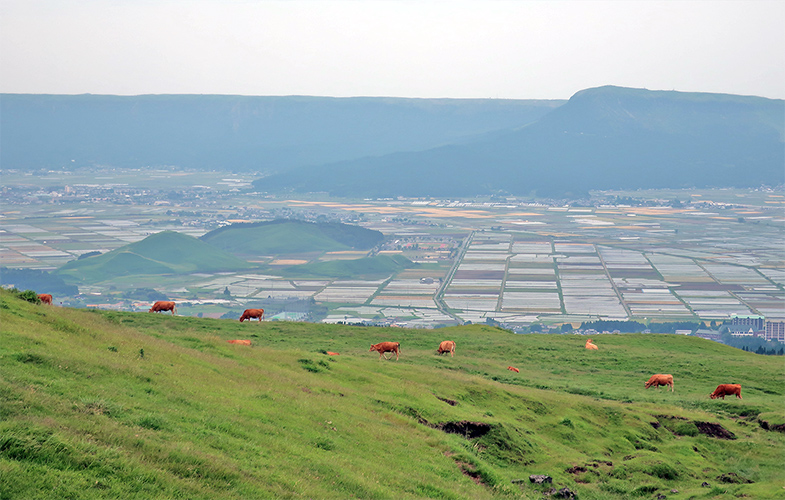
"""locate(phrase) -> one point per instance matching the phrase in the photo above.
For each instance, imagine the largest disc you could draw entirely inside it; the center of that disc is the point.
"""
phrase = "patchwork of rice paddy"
(348, 291)
(417, 317)
(536, 261)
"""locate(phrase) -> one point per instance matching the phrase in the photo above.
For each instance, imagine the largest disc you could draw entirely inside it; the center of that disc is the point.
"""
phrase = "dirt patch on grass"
(470, 471)
(450, 402)
(465, 428)
(588, 466)
(771, 427)
(714, 430)
(669, 417)
(733, 478)
(680, 426)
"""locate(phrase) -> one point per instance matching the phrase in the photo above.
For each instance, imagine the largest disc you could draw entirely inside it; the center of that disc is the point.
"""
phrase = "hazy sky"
(429, 48)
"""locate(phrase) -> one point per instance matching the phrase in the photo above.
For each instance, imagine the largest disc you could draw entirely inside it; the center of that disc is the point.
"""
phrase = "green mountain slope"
(286, 236)
(167, 252)
(122, 405)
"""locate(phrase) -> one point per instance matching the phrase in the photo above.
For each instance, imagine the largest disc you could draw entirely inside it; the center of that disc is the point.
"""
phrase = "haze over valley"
(392, 249)
(410, 250)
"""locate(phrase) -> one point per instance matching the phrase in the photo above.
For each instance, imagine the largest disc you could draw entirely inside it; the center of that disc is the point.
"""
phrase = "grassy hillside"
(291, 236)
(378, 266)
(167, 252)
(122, 405)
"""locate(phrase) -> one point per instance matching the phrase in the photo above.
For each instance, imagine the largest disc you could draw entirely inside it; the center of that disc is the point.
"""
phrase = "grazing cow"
(240, 342)
(164, 305)
(252, 313)
(384, 347)
(723, 390)
(330, 353)
(447, 346)
(513, 369)
(591, 346)
(660, 379)
(45, 298)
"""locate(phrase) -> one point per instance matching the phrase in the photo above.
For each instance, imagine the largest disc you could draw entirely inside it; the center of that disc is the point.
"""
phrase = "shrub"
(30, 296)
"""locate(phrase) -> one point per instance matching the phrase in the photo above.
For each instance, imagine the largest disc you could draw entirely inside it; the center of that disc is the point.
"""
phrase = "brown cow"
(660, 379)
(384, 347)
(45, 298)
(240, 342)
(164, 305)
(723, 390)
(591, 346)
(252, 313)
(513, 369)
(447, 346)
(330, 353)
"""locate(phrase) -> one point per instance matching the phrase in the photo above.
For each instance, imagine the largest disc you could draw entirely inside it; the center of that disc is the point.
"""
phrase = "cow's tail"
(174, 310)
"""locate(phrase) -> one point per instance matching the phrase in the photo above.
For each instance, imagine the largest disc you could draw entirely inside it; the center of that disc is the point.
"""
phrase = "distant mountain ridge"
(239, 133)
(603, 138)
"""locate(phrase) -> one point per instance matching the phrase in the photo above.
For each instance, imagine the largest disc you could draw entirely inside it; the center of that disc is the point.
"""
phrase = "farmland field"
(713, 254)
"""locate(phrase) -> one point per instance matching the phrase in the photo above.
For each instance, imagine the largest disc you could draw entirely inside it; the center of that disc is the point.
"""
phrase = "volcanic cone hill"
(167, 252)
(285, 236)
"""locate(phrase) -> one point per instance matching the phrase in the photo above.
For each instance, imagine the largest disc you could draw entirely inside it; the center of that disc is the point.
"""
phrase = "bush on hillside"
(28, 295)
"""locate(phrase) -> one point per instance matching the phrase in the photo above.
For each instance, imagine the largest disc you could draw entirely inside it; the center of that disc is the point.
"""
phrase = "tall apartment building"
(775, 330)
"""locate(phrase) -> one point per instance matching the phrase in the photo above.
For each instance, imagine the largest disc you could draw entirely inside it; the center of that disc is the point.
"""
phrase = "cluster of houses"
(749, 325)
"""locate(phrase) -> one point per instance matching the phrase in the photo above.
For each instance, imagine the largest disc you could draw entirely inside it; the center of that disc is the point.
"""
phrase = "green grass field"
(135, 405)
